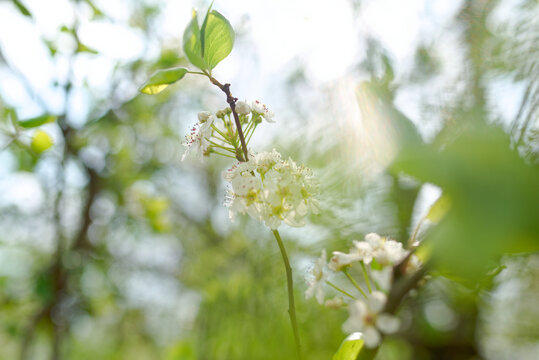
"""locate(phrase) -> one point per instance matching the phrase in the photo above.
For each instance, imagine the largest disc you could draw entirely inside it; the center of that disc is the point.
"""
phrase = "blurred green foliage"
(128, 254)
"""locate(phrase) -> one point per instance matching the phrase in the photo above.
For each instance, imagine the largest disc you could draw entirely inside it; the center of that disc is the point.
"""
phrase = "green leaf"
(161, 79)
(23, 9)
(349, 349)
(41, 141)
(37, 121)
(218, 38)
(192, 44)
(494, 199)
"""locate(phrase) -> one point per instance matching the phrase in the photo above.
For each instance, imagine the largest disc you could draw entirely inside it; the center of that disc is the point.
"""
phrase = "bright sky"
(327, 37)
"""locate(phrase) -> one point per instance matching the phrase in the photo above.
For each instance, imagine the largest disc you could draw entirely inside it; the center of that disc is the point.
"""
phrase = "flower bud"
(203, 116)
(243, 108)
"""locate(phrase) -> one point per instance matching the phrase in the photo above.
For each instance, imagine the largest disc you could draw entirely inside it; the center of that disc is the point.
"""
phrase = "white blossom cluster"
(385, 251)
(197, 140)
(272, 190)
(365, 314)
(219, 129)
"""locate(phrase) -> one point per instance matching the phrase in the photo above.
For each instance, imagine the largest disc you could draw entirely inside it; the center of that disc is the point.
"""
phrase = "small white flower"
(364, 250)
(263, 110)
(384, 250)
(390, 253)
(366, 318)
(388, 324)
(243, 108)
(197, 139)
(341, 260)
(374, 240)
(376, 301)
(372, 337)
(317, 281)
(195, 142)
(203, 116)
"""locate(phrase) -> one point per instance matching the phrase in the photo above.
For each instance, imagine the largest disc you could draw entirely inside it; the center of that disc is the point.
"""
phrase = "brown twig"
(231, 100)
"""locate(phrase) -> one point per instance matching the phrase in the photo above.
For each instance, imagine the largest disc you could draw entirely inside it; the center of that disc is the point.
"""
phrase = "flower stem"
(222, 147)
(366, 276)
(220, 133)
(340, 290)
(220, 153)
(251, 133)
(290, 283)
(345, 271)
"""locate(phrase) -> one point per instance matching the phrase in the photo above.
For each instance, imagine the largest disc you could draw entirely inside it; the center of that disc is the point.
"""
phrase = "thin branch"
(232, 103)
(402, 287)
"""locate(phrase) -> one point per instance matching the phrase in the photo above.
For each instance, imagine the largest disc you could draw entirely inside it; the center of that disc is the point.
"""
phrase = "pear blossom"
(363, 250)
(197, 139)
(272, 190)
(366, 317)
(341, 260)
(317, 281)
(385, 250)
(263, 111)
(203, 116)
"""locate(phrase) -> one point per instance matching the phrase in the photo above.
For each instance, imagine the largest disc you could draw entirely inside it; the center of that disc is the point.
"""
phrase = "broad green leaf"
(218, 38)
(41, 141)
(23, 9)
(192, 44)
(37, 121)
(494, 199)
(349, 349)
(161, 79)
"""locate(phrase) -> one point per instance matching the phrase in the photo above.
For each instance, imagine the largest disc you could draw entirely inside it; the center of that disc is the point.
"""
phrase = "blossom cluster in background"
(376, 257)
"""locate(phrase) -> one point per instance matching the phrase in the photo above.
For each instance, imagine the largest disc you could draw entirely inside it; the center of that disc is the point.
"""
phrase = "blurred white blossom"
(317, 281)
(366, 317)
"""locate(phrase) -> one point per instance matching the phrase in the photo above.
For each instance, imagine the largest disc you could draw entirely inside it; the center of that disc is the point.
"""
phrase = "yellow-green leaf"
(161, 79)
(350, 348)
(41, 141)
(37, 121)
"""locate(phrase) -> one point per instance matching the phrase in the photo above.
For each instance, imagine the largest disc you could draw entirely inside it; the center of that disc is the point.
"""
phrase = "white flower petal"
(372, 337)
(387, 324)
(377, 301)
